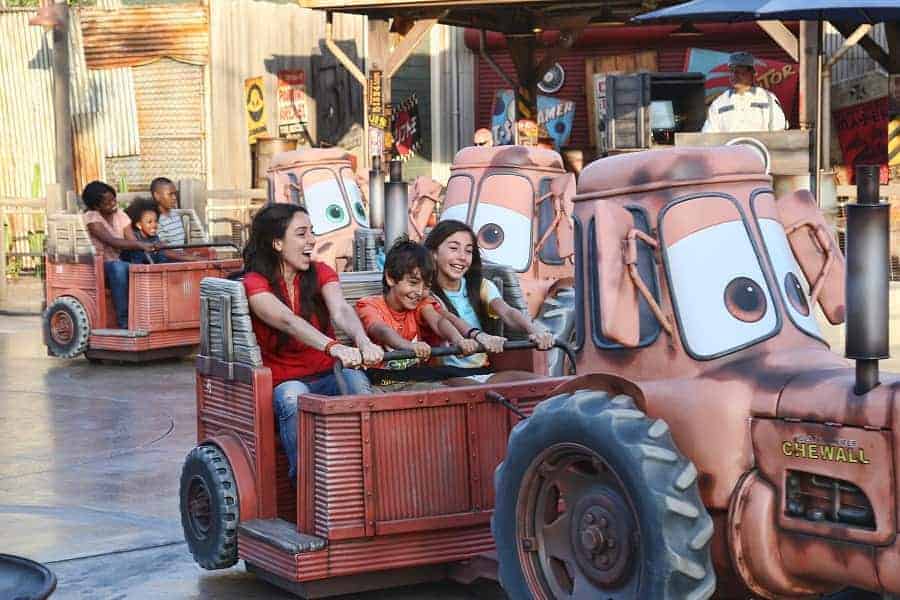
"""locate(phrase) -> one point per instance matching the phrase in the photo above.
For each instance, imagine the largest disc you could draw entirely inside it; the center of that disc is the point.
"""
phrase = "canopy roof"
(505, 16)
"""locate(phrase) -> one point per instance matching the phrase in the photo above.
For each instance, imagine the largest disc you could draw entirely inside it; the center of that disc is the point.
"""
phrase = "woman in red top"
(293, 300)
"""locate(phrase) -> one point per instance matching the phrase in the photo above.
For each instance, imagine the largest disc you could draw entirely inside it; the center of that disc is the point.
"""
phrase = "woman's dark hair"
(138, 207)
(441, 232)
(404, 257)
(93, 192)
(271, 224)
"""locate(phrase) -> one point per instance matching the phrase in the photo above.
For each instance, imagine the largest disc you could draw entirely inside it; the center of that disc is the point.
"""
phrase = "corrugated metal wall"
(856, 62)
(169, 97)
(26, 117)
(103, 108)
(671, 54)
(252, 39)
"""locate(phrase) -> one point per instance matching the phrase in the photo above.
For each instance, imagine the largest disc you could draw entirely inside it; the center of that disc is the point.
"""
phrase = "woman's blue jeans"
(284, 397)
(116, 272)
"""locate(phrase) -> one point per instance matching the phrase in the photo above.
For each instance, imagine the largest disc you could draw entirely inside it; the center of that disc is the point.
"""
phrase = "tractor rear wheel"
(595, 501)
(67, 328)
(209, 507)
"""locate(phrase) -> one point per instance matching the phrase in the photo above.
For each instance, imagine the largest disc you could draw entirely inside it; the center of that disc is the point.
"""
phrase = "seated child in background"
(144, 215)
(404, 313)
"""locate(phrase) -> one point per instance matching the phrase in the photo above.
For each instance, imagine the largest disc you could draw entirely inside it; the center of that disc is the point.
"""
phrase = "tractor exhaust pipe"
(868, 273)
(376, 194)
(396, 205)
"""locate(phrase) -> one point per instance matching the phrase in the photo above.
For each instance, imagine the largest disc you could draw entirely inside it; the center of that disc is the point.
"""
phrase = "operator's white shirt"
(757, 109)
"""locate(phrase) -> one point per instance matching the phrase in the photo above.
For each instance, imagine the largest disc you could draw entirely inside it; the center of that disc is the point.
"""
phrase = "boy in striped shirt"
(170, 228)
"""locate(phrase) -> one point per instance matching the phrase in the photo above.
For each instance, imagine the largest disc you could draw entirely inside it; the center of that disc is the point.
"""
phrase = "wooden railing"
(23, 225)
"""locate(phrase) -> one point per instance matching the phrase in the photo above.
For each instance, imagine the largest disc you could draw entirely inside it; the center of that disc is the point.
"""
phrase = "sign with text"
(503, 118)
(555, 117)
(256, 109)
(292, 105)
(405, 128)
(862, 131)
(375, 100)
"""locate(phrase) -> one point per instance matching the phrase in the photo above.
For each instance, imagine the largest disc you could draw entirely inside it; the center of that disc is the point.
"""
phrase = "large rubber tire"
(557, 314)
(591, 479)
(67, 328)
(209, 507)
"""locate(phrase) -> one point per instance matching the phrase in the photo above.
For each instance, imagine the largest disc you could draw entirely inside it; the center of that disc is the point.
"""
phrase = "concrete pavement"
(90, 457)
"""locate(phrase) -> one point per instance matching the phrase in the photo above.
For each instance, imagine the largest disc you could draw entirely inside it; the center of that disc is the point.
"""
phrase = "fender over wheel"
(210, 512)
(595, 501)
(67, 328)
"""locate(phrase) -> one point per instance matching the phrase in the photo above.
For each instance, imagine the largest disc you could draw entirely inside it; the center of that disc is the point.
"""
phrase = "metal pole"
(376, 194)
(62, 108)
(396, 205)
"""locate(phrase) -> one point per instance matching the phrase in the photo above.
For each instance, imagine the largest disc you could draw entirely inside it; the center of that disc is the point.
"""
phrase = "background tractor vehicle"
(517, 199)
(163, 299)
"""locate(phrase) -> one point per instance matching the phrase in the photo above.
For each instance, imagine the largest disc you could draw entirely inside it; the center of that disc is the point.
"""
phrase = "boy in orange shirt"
(405, 316)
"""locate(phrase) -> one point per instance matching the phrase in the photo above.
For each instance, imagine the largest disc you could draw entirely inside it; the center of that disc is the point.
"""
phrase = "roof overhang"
(506, 16)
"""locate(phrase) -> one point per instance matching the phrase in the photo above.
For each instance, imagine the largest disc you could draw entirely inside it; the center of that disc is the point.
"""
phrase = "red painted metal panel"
(147, 301)
(367, 555)
(159, 339)
(306, 427)
(227, 406)
(420, 464)
(285, 494)
(490, 424)
(338, 474)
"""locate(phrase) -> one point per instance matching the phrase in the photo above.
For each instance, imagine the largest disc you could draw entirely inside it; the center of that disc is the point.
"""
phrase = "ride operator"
(745, 106)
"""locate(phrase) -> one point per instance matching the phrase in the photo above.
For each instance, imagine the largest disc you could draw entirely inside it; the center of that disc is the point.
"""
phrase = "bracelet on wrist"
(329, 346)
(472, 333)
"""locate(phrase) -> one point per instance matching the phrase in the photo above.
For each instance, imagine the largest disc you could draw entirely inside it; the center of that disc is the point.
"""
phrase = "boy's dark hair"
(92, 195)
(138, 207)
(159, 182)
(404, 257)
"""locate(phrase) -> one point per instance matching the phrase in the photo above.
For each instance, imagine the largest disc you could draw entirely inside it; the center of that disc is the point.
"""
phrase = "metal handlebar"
(204, 245)
(438, 351)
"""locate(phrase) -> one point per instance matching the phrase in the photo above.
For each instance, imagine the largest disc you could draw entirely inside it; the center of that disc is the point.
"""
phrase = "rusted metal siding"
(103, 108)
(133, 36)
(252, 39)
(856, 62)
(228, 410)
(169, 98)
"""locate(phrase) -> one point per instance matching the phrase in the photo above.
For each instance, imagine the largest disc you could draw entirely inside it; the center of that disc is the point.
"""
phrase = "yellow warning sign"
(256, 108)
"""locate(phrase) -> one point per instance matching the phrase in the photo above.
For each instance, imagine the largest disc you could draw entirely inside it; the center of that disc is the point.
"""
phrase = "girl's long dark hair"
(271, 224)
(441, 232)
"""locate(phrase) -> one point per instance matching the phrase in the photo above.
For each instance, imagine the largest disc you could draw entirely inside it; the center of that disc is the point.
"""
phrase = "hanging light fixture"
(49, 15)
(686, 29)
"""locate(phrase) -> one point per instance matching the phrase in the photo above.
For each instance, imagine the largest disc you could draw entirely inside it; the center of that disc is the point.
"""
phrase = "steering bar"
(448, 351)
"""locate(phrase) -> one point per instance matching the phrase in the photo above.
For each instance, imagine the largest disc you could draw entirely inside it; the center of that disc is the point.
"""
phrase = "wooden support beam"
(892, 32)
(407, 45)
(783, 37)
(809, 79)
(872, 48)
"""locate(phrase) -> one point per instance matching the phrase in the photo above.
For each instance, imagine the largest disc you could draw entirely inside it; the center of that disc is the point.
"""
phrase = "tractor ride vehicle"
(711, 444)
(517, 199)
(163, 299)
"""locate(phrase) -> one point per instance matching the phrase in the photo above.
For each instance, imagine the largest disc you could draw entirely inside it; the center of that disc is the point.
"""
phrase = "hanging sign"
(377, 118)
(292, 109)
(527, 132)
(405, 128)
(256, 109)
(503, 118)
(555, 117)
